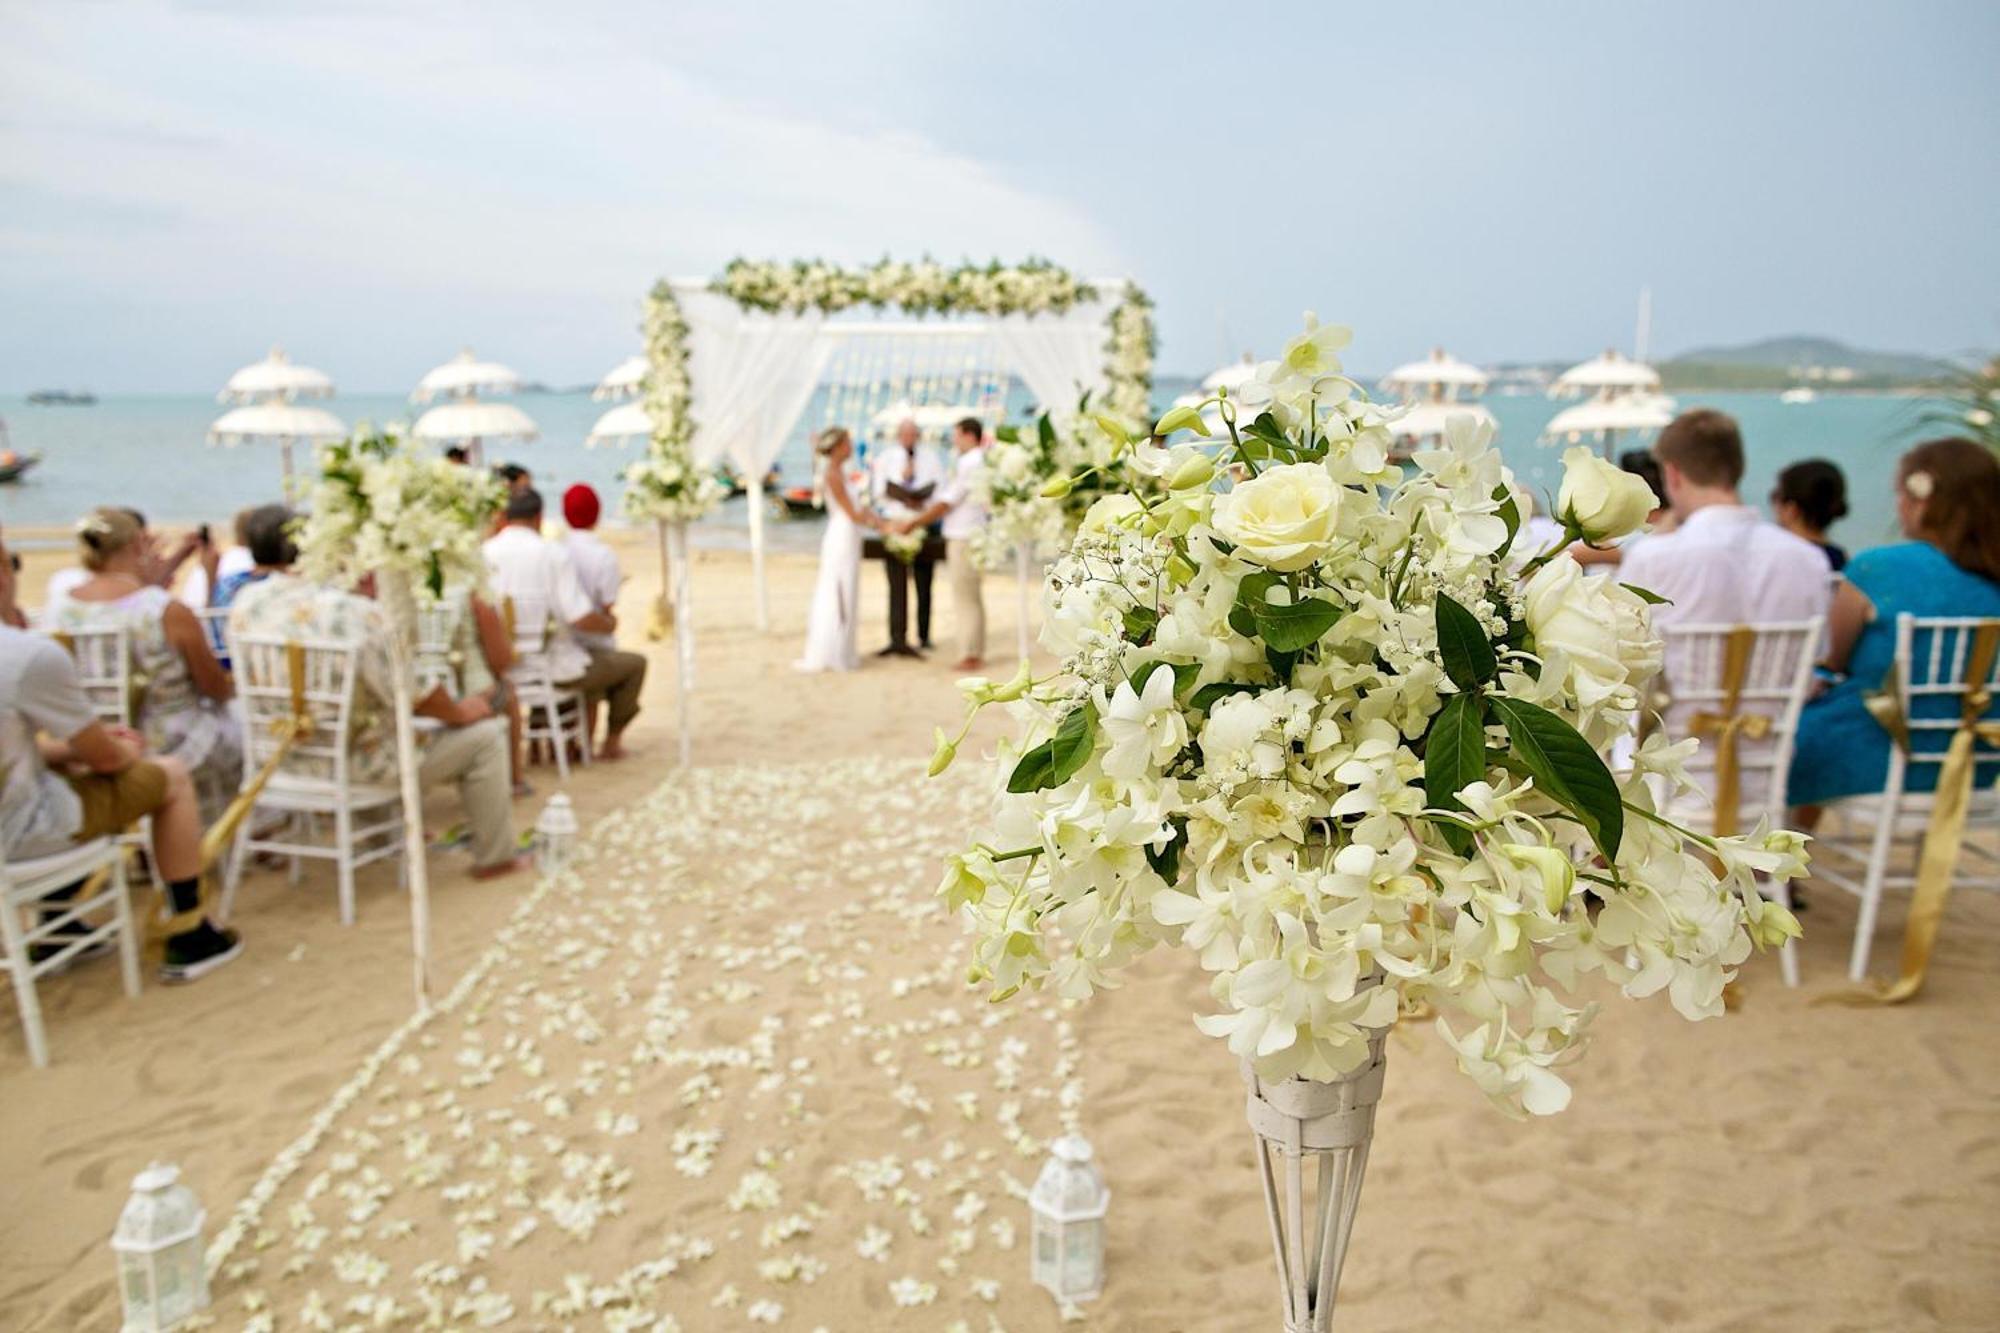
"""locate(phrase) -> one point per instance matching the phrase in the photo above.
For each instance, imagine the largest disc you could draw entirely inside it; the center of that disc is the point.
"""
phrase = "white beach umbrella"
(276, 376)
(466, 376)
(1231, 377)
(626, 380)
(470, 421)
(1607, 417)
(1438, 376)
(627, 421)
(1609, 372)
(933, 419)
(284, 423)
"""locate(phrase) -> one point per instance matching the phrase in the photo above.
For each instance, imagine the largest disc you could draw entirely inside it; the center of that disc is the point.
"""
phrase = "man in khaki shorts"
(66, 778)
(962, 508)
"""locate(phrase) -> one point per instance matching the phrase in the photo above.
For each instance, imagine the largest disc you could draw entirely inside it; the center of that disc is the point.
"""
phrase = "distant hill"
(1799, 359)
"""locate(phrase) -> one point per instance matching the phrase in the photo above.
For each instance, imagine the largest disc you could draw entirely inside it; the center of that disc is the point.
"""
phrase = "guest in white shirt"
(904, 479)
(537, 577)
(964, 516)
(596, 563)
(1725, 564)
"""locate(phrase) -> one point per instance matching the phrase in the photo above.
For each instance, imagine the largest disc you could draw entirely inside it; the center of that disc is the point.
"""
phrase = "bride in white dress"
(830, 629)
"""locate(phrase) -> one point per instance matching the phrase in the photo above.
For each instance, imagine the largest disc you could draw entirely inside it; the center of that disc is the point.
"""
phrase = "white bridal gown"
(830, 629)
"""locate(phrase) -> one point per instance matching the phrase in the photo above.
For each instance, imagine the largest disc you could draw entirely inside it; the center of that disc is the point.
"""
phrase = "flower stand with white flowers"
(1327, 729)
(414, 522)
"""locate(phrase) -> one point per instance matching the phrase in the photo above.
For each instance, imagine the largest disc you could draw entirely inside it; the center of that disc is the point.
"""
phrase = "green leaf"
(1045, 431)
(1297, 626)
(1462, 643)
(1647, 595)
(1057, 759)
(1007, 434)
(1266, 431)
(1140, 622)
(1185, 675)
(1281, 663)
(1208, 696)
(1565, 767)
(1510, 514)
(1455, 751)
(1249, 597)
(1166, 861)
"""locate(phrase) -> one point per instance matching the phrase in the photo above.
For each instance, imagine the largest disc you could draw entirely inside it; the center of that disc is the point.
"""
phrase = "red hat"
(580, 507)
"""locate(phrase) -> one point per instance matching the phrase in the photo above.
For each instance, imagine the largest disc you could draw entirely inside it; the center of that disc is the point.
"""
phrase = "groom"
(903, 477)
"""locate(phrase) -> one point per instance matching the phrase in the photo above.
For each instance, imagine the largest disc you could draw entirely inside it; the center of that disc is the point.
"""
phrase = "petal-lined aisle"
(726, 1073)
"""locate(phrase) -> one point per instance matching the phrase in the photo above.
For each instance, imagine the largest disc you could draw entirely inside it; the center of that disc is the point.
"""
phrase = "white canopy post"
(754, 497)
(399, 599)
(683, 639)
(1022, 578)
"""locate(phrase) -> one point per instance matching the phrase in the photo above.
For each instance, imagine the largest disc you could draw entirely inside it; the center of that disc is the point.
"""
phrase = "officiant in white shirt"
(961, 509)
(904, 479)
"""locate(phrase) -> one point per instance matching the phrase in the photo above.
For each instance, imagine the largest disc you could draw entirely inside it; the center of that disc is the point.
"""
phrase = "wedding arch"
(733, 362)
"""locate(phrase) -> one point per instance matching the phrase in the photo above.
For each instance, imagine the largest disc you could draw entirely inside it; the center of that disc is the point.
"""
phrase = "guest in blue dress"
(1948, 503)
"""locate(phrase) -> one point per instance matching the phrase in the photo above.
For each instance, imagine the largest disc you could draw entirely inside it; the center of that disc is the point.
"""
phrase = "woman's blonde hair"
(103, 533)
(830, 439)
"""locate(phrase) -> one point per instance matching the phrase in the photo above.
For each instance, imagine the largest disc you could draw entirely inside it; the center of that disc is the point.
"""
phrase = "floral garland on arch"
(1128, 366)
(379, 506)
(1330, 732)
(667, 483)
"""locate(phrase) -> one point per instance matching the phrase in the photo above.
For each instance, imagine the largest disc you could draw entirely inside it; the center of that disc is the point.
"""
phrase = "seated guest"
(458, 454)
(1724, 564)
(1641, 464)
(596, 564)
(538, 577)
(66, 778)
(1808, 498)
(197, 590)
(183, 705)
(515, 478)
(158, 569)
(266, 534)
(471, 749)
(1948, 505)
(484, 653)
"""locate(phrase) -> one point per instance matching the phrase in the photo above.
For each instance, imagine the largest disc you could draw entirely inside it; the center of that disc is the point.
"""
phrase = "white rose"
(1602, 500)
(1284, 519)
(1601, 629)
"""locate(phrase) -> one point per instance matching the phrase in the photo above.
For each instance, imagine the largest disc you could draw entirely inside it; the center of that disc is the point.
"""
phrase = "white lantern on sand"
(555, 835)
(1068, 1203)
(161, 1275)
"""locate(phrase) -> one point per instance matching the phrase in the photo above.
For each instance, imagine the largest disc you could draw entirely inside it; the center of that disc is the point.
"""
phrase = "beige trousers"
(474, 758)
(968, 610)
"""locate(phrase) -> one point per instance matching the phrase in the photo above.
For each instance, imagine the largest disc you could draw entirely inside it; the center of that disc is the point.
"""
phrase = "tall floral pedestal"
(1333, 1123)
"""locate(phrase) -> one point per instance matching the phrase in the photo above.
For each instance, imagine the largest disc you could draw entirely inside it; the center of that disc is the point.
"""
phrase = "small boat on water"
(1794, 397)
(13, 466)
(799, 502)
(62, 398)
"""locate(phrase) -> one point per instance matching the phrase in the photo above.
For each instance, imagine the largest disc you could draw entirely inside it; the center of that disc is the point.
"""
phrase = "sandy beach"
(751, 952)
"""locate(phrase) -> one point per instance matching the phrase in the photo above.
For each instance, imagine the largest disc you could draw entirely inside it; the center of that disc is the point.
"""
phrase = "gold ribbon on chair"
(1945, 833)
(1727, 726)
(288, 731)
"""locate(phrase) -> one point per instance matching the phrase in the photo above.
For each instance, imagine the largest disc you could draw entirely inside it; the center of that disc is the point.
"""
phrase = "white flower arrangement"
(1037, 486)
(1312, 729)
(379, 506)
(667, 483)
(1128, 364)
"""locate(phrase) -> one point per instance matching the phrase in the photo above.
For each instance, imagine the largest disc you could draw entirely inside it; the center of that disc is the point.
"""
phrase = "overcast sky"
(376, 182)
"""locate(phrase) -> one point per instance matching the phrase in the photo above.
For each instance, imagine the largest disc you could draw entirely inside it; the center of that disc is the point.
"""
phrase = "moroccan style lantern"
(555, 836)
(161, 1276)
(1068, 1202)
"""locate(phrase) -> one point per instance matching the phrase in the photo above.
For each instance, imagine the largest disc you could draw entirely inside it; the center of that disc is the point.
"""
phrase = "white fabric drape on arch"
(751, 375)
(1057, 356)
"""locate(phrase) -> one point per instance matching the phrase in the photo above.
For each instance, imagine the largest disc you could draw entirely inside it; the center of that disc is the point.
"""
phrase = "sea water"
(150, 453)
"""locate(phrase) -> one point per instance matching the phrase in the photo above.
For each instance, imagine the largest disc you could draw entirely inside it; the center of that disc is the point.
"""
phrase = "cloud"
(452, 169)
